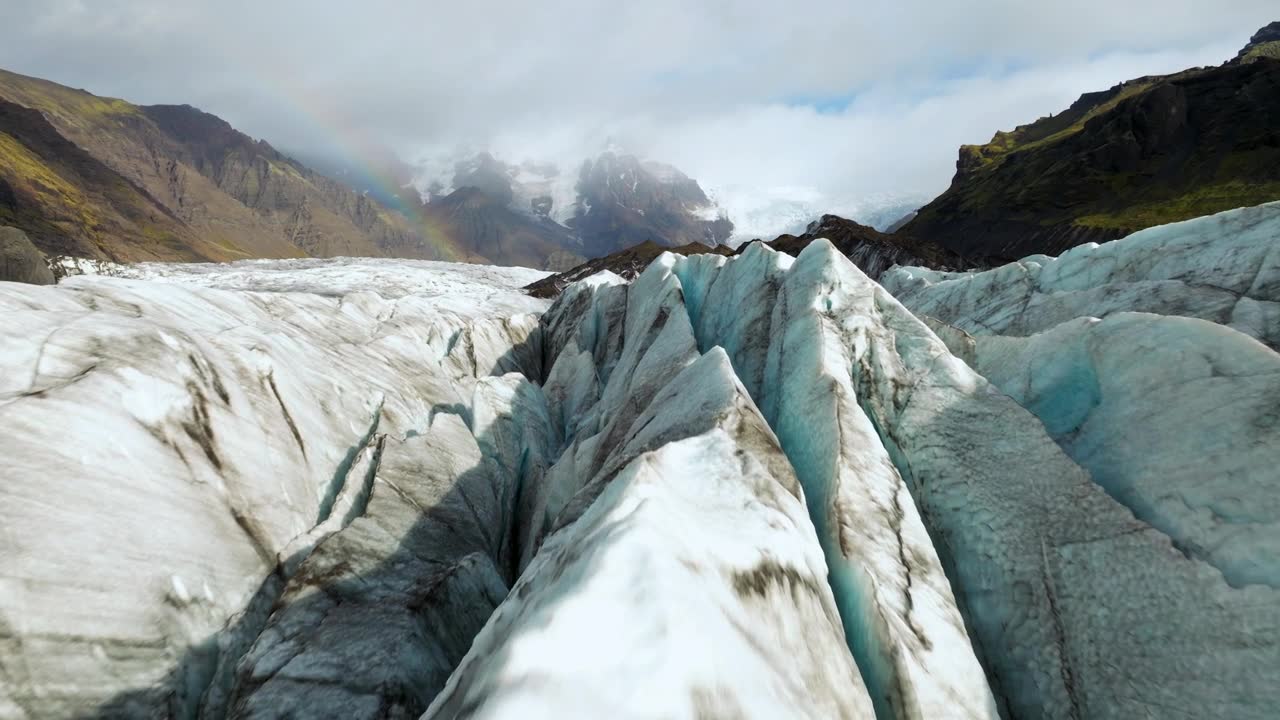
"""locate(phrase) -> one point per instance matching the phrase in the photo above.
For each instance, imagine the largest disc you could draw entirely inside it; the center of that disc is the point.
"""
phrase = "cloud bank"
(775, 107)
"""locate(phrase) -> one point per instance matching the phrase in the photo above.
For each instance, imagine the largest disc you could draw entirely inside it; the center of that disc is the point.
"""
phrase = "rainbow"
(367, 157)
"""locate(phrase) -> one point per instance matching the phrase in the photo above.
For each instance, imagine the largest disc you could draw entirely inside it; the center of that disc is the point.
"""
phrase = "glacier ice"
(759, 486)
(1188, 443)
(378, 615)
(792, 344)
(1171, 408)
(172, 451)
(1224, 268)
(1051, 568)
(691, 586)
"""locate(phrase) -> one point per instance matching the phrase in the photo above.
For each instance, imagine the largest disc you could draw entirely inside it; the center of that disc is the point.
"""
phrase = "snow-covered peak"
(552, 189)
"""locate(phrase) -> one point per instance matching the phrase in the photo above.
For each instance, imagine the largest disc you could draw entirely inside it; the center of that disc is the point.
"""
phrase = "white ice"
(162, 434)
(755, 486)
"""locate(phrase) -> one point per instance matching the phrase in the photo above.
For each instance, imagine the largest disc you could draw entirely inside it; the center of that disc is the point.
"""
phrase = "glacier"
(1224, 268)
(757, 486)
(1147, 360)
(175, 451)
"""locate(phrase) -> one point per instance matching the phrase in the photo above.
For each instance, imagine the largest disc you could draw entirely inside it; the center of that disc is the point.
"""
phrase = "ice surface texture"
(1224, 268)
(749, 487)
(1172, 409)
(172, 453)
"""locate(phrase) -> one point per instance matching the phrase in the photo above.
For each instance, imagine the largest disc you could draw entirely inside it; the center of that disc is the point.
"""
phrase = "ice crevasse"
(747, 487)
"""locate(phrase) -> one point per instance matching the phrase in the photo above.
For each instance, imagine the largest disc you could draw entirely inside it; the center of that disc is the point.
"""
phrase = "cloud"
(830, 100)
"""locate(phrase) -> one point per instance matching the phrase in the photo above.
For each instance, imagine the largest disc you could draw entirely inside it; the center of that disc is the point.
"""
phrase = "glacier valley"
(759, 486)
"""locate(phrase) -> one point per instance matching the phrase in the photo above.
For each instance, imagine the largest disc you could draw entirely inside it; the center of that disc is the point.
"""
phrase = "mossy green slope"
(1147, 152)
(69, 203)
(235, 197)
(1264, 44)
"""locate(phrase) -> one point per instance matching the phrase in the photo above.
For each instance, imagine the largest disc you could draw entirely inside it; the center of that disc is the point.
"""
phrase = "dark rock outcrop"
(1264, 43)
(20, 261)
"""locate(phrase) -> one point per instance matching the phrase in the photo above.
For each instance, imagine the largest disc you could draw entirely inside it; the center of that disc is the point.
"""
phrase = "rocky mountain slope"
(623, 202)
(1146, 152)
(101, 178)
(553, 221)
(487, 227)
(1264, 43)
(751, 486)
(221, 195)
(72, 204)
(319, 215)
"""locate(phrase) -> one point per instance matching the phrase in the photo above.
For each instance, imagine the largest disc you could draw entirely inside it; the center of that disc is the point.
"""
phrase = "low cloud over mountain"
(777, 109)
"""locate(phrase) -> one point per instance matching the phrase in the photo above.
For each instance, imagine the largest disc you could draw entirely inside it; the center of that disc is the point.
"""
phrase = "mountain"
(623, 201)
(104, 179)
(214, 192)
(379, 173)
(319, 215)
(70, 203)
(1264, 43)
(759, 486)
(1146, 152)
(615, 202)
(486, 225)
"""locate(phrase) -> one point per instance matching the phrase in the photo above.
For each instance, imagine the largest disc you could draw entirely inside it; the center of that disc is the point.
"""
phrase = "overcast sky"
(836, 104)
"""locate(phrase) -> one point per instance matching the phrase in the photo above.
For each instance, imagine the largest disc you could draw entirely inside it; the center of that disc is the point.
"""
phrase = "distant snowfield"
(758, 486)
(766, 213)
